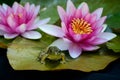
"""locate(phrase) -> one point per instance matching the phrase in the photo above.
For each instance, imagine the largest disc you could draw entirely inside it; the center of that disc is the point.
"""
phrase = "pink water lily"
(80, 31)
(20, 20)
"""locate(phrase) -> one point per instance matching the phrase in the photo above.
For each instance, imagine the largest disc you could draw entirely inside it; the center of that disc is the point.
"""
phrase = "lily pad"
(23, 55)
(114, 44)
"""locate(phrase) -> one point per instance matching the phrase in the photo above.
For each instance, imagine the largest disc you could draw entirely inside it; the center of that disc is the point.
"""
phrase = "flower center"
(80, 26)
(20, 15)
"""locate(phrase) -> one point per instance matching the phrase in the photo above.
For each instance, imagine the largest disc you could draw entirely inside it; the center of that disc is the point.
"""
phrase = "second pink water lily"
(80, 31)
(20, 20)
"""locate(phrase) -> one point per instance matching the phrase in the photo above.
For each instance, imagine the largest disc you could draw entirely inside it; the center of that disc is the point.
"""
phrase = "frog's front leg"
(43, 57)
(62, 58)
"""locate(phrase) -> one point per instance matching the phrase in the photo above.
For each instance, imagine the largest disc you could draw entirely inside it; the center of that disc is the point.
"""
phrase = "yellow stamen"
(81, 26)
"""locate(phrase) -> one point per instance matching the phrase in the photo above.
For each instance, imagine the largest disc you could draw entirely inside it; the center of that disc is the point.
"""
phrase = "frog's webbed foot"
(63, 61)
(42, 58)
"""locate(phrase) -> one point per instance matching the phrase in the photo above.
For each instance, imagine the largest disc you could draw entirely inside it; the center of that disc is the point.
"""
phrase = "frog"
(52, 53)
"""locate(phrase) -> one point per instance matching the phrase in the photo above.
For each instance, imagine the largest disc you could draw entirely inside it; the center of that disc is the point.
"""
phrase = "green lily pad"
(23, 55)
(114, 44)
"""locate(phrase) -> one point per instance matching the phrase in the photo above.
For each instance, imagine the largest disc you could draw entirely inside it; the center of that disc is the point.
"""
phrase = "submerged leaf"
(114, 44)
(4, 42)
(23, 55)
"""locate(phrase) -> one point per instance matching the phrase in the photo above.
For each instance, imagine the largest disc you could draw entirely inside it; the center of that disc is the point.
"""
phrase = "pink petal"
(70, 9)
(2, 11)
(85, 9)
(98, 41)
(21, 28)
(44, 21)
(52, 30)
(101, 21)
(32, 35)
(1, 15)
(5, 6)
(10, 36)
(75, 51)
(64, 28)
(102, 38)
(98, 23)
(2, 32)
(30, 12)
(89, 47)
(30, 24)
(97, 31)
(92, 18)
(98, 13)
(32, 7)
(3, 28)
(77, 37)
(78, 13)
(36, 11)
(61, 44)
(90, 40)
(15, 7)
(20, 9)
(87, 17)
(8, 11)
(71, 32)
(27, 7)
(108, 36)
(38, 23)
(62, 14)
(11, 21)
